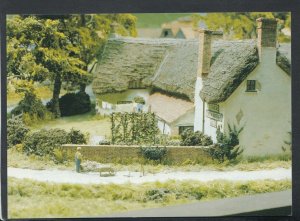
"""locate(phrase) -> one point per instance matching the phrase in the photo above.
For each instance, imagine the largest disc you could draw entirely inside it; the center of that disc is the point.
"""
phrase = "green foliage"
(16, 131)
(30, 104)
(59, 156)
(104, 142)
(139, 100)
(44, 142)
(134, 128)
(149, 20)
(240, 25)
(77, 137)
(74, 103)
(191, 138)
(59, 48)
(153, 153)
(227, 146)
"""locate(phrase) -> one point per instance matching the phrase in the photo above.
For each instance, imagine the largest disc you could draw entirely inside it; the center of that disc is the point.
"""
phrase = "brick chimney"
(266, 33)
(205, 40)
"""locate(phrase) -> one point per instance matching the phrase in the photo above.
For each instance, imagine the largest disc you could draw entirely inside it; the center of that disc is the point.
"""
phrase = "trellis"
(133, 128)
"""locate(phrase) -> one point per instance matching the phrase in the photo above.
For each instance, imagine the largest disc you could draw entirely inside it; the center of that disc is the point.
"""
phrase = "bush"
(44, 142)
(32, 106)
(104, 142)
(191, 138)
(77, 137)
(139, 100)
(16, 131)
(227, 146)
(73, 103)
(153, 153)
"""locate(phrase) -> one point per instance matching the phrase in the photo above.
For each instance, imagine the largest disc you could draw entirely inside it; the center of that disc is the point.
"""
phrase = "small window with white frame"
(251, 85)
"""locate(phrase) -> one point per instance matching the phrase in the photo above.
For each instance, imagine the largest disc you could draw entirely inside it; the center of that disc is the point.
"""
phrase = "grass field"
(66, 200)
(86, 123)
(155, 21)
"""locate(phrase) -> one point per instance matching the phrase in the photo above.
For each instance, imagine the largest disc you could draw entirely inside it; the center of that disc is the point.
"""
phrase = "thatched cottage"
(245, 83)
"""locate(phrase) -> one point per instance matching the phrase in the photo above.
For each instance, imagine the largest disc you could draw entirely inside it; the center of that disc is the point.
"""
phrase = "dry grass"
(86, 123)
(29, 199)
(21, 160)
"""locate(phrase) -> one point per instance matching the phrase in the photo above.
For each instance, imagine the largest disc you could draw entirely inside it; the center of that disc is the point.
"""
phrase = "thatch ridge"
(229, 69)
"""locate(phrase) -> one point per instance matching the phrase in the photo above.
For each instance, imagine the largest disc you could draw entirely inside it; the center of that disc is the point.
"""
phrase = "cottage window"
(214, 108)
(251, 85)
(213, 123)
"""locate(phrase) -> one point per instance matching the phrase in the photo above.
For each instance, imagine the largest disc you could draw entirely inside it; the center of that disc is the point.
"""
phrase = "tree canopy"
(59, 48)
(241, 25)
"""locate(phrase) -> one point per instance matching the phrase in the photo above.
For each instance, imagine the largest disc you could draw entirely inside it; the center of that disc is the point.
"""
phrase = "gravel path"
(64, 176)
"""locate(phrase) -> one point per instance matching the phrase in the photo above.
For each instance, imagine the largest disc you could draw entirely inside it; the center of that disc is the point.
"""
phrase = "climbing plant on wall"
(133, 128)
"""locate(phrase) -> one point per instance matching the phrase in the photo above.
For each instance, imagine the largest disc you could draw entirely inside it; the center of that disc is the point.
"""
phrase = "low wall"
(130, 154)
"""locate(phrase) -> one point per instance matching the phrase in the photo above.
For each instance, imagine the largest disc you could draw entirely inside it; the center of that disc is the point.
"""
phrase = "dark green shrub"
(77, 137)
(104, 142)
(139, 100)
(32, 106)
(44, 142)
(153, 153)
(73, 103)
(227, 146)
(157, 194)
(16, 131)
(191, 138)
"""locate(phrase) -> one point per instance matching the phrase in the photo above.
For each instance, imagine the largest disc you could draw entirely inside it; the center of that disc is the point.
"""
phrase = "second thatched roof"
(171, 65)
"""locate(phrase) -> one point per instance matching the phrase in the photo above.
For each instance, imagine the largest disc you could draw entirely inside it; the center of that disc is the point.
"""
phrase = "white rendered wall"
(266, 113)
(198, 122)
(210, 130)
(164, 128)
(198, 106)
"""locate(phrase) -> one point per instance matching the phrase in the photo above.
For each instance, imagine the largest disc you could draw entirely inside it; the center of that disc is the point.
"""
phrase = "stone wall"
(130, 154)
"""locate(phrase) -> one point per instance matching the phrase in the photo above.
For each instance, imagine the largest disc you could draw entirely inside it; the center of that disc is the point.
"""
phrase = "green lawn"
(73, 200)
(156, 20)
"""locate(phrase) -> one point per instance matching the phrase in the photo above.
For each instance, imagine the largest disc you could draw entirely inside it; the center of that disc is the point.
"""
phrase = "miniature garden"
(125, 162)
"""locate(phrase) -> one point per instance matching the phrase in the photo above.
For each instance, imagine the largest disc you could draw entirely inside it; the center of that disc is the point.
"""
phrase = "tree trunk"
(82, 87)
(55, 98)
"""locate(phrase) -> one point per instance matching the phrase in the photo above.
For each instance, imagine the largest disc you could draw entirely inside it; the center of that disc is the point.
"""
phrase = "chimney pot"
(267, 32)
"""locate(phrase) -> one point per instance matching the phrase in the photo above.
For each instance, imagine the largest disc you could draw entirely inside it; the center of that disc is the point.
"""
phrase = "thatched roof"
(283, 57)
(169, 108)
(186, 32)
(171, 65)
(167, 64)
(231, 66)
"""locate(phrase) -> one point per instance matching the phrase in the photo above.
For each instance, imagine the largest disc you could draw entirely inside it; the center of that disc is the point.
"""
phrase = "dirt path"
(63, 176)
